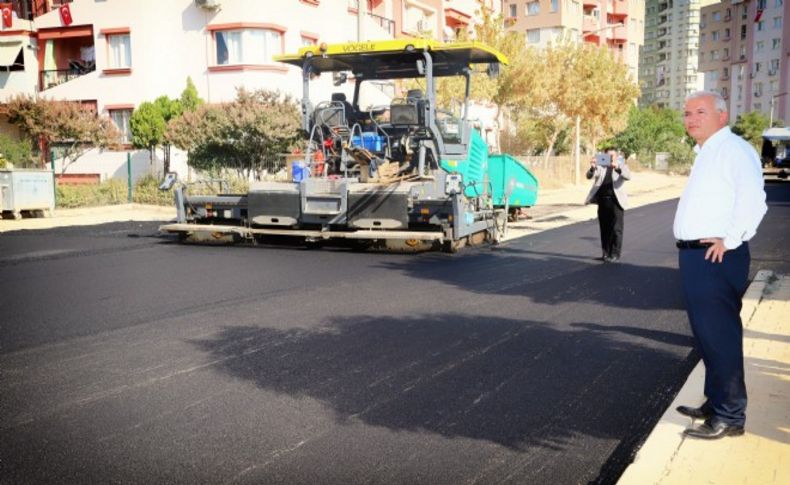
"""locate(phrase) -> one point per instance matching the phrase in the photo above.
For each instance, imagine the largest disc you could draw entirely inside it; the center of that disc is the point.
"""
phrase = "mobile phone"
(603, 159)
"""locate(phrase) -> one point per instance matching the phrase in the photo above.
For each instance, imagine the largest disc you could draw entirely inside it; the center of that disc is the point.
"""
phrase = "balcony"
(388, 25)
(55, 77)
(591, 3)
(65, 53)
(620, 8)
(589, 23)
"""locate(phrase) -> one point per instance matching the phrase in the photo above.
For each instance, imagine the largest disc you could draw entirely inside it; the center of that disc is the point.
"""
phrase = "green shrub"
(146, 191)
(16, 152)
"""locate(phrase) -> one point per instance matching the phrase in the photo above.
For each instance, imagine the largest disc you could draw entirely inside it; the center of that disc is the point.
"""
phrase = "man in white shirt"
(719, 211)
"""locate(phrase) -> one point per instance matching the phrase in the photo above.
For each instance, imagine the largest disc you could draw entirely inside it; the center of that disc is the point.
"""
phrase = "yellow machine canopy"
(393, 59)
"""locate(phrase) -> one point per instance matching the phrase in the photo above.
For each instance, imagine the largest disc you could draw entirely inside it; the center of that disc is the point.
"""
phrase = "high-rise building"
(616, 24)
(668, 69)
(743, 55)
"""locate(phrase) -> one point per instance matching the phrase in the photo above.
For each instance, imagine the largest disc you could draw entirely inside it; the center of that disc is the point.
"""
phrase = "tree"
(750, 126)
(650, 130)
(147, 125)
(244, 135)
(189, 97)
(567, 80)
(73, 126)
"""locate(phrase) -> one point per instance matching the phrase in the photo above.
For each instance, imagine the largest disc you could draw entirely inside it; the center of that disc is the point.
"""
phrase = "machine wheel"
(454, 246)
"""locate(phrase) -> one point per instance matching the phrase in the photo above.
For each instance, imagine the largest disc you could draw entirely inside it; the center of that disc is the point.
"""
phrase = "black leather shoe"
(714, 430)
(695, 413)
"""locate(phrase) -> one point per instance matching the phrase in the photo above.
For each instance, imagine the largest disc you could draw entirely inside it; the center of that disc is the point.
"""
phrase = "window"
(758, 66)
(121, 119)
(773, 66)
(758, 89)
(555, 5)
(309, 39)
(714, 55)
(513, 10)
(761, 4)
(533, 8)
(758, 106)
(247, 46)
(714, 36)
(716, 16)
(778, 3)
(761, 25)
(777, 22)
(725, 73)
(418, 18)
(702, 38)
(120, 51)
(776, 44)
(725, 54)
(726, 34)
(743, 32)
(533, 36)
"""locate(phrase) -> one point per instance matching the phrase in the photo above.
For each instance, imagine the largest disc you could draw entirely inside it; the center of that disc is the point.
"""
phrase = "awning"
(777, 134)
(9, 51)
(394, 59)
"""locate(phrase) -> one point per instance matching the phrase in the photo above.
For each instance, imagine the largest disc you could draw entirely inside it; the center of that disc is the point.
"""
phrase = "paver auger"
(405, 176)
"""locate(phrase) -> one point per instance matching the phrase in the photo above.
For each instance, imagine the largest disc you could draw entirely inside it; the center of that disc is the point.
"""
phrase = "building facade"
(669, 62)
(616, 24)
(116, 54)
(744, 49)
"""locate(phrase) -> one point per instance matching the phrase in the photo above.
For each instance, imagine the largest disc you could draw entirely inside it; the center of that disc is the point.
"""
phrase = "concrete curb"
(657, 455)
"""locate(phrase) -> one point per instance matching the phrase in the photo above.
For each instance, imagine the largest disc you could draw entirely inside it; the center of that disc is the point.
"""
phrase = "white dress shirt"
(725, 195)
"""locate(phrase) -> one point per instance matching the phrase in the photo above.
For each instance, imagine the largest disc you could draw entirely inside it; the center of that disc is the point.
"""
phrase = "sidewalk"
(86, 216)
(762, 455)
(559, 207)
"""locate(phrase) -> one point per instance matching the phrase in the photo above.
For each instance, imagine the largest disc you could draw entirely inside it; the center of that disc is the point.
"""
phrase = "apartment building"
(744, 55)
(616, 24)
(670, 57)
(115, 54)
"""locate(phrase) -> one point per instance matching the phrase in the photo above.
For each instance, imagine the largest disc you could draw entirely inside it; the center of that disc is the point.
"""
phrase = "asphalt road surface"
(127, 358)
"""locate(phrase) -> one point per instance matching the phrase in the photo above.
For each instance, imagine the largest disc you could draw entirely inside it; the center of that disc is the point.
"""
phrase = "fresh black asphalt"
(128, 358)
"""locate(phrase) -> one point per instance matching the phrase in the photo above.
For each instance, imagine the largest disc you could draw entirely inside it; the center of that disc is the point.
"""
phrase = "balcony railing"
(384, 23)
(54, 77)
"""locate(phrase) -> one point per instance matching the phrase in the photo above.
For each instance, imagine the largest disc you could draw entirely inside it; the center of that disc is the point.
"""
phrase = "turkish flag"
(759, 15)
(65, 15)
(7, 16)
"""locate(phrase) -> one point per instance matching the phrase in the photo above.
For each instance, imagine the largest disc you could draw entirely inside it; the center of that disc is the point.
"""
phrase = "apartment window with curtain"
(513, 10)
(533, 36)
(533, 8)
(121, 119)
(119, 51)
(247, 46)
(555, 5)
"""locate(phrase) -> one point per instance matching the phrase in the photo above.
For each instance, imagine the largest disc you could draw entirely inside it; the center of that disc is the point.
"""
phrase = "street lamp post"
(577, 136)
(771, 116)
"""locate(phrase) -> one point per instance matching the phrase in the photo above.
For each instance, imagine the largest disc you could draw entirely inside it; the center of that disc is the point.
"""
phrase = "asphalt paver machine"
(405, 176)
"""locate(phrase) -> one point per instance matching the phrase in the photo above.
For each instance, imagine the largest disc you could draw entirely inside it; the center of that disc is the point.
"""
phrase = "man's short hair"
(718, 100)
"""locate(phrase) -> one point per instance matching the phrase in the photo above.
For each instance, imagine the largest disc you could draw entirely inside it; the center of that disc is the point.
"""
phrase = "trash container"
(26, 190)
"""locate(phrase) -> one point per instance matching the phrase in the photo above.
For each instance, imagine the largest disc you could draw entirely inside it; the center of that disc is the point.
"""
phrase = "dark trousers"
(713, 298)
(610, 220)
